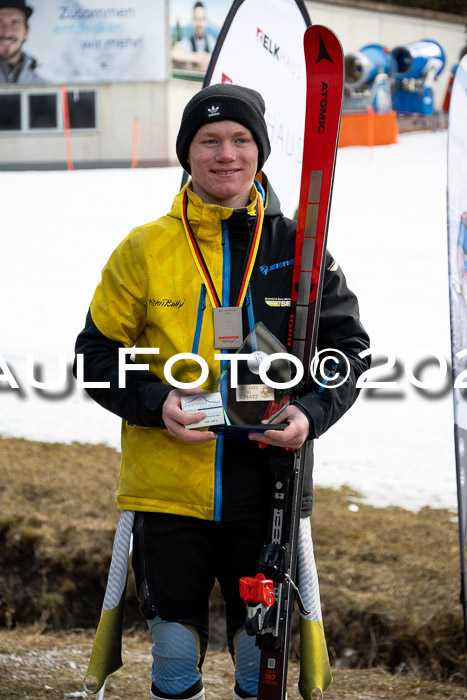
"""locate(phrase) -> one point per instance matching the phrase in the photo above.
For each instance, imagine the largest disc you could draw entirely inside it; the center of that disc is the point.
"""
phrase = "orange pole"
(134, 148)
(371, 126)
(66, 124)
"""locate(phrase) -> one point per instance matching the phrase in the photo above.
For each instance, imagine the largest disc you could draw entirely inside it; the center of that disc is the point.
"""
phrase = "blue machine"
(417, 67)
(368, 79)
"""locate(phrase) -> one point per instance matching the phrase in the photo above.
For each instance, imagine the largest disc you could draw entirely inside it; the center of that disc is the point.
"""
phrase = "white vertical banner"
(457, 235)
(457, 247)
(262, 48)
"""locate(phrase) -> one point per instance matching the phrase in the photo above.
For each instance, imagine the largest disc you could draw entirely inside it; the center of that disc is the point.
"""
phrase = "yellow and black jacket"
(151, 295)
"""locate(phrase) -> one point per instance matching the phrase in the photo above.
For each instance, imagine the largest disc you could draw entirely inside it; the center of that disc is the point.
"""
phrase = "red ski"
(324, 68)
(269, 616)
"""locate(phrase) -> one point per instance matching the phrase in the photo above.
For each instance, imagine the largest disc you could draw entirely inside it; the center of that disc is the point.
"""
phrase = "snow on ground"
(387, 230)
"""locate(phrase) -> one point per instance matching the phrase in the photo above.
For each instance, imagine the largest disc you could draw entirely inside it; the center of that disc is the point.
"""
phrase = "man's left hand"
(293, 436)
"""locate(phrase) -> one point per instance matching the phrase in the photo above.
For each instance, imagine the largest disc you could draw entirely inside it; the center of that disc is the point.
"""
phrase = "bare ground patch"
(389, 582)
(51, 666)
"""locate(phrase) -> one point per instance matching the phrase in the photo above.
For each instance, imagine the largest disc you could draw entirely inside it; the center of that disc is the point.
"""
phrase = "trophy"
(251, 386)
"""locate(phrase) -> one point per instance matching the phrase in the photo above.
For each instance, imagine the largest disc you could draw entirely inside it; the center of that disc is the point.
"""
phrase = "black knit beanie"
(16, 5)
(224, 101)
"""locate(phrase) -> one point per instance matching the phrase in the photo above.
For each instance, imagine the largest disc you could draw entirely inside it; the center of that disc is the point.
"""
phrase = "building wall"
(158, 106)
(180, 91)
(111, 142)
(120, 106)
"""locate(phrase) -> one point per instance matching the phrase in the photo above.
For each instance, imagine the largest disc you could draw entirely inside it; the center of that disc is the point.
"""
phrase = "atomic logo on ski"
(323, 54)
(323, 107)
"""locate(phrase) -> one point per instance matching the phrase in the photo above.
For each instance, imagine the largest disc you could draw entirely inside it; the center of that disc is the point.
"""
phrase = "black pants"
(176, 561)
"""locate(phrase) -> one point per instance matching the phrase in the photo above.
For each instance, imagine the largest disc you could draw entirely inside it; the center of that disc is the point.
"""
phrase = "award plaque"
(247, 399)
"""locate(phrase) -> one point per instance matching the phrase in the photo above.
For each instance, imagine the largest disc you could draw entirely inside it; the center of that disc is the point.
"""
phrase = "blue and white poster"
(83, 41)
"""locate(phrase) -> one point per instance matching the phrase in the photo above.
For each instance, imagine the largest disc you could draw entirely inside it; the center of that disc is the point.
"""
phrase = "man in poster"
(15, 65)
(194, 52)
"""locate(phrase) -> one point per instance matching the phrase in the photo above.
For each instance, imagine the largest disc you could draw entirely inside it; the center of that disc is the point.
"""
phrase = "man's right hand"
(175, 419)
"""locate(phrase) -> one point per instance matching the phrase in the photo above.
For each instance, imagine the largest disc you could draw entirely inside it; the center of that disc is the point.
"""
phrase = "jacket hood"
(273, 206)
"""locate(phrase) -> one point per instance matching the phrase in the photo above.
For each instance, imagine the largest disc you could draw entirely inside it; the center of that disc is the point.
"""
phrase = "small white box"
(210, 404)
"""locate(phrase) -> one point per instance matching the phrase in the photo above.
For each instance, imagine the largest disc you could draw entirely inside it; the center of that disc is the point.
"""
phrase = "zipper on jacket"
(199, 319)
(224, 383)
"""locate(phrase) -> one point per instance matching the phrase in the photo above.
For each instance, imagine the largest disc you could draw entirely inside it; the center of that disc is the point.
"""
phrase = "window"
(33, 110)
(10, 112)
(82, 109)
(42, 111)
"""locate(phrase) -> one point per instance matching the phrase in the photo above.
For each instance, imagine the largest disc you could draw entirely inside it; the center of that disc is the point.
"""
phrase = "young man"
(15, 65)
(201, 498)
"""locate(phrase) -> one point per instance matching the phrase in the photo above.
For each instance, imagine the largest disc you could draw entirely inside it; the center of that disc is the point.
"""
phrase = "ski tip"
(325, 39)
(315, 694)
